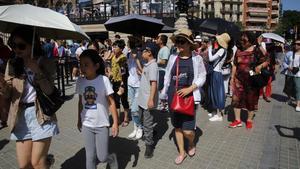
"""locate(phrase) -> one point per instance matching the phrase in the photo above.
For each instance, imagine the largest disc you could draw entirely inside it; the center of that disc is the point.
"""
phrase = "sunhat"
(186, 34)
(223, 40)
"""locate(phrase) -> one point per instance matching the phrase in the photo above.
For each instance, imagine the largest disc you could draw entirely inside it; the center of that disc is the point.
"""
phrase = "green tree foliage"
(288, 20)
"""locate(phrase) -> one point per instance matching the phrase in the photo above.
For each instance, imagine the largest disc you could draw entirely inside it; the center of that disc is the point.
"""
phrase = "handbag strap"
(177, 72)
(220, 59)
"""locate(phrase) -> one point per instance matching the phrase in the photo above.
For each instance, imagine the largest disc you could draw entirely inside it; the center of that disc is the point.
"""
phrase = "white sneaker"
(297, 109)
(209, 114)
(139, 134)
(132, 134)
(216, 118)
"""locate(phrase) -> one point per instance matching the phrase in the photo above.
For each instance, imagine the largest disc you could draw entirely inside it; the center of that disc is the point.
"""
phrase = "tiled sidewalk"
(273, 142)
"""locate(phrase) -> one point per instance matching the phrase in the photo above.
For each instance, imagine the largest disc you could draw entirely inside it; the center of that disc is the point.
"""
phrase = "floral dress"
(244, 95)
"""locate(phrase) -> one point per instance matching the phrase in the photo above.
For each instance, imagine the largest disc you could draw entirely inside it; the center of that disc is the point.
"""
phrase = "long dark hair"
(95, 58)
(26, 34)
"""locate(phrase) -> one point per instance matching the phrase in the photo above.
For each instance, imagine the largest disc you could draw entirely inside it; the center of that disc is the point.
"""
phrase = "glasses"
(297, 44)
(147, 49)
(180, 41)
(20, 46)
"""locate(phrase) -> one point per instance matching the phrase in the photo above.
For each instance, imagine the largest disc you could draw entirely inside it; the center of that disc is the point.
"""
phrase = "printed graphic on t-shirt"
(183, 79)
(90, 96)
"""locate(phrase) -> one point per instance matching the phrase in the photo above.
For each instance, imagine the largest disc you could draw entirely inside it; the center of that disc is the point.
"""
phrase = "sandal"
(179, 159)
(192, 151)
(125, 123)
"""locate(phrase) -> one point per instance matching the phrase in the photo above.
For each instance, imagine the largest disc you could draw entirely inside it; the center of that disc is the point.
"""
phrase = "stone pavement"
(273, 143)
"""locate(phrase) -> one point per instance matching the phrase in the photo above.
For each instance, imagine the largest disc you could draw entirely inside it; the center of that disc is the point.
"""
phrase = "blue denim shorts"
(28, 128)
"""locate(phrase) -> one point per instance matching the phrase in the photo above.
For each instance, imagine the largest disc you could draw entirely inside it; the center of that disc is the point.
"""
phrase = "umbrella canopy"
(274, 37)
(167, 29)
(135, 24)
(47, 23)
(219, 26)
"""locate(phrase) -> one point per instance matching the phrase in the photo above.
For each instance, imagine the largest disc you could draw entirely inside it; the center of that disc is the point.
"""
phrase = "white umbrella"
(274, 37)
(47, 23)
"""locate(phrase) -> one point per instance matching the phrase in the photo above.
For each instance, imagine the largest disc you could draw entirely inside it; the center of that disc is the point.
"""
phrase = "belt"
(27, 105)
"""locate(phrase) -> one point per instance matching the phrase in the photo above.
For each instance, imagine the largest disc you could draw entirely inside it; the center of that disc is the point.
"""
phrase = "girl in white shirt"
(95, 101)
(216, 90)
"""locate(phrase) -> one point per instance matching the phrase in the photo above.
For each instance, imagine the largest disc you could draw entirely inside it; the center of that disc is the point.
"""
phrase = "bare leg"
(237, 113)
(23, 150)
(190, 135)
(250, 116)
(40, 150)
(180, 141)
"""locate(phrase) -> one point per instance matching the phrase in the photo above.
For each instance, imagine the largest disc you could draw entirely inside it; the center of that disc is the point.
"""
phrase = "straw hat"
(184, 33)
(223, 40)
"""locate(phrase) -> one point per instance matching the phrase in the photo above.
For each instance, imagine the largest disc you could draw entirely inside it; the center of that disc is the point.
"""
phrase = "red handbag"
(182, 105)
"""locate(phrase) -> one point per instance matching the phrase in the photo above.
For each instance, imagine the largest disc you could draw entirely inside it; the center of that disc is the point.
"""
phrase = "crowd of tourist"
(133, 79)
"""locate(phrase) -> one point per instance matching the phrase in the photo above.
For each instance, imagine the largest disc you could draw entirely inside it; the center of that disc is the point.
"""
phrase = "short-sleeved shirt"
(163, 54)
(150, 73)
(94, 94)
(118, 67)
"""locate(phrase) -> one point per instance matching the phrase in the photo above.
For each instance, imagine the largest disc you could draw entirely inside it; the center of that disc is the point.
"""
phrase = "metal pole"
(139, 7)
(62, 79)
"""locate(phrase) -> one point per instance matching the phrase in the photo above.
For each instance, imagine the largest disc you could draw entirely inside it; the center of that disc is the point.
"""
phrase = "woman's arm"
(216, 56)
(80, 107)
(113, 110)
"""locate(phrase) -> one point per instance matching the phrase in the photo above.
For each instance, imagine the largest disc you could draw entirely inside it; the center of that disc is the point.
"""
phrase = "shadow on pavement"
(3, 143)
(77, 161)
(295, 131)
(279, 97)
(161, 119)
(124, 149)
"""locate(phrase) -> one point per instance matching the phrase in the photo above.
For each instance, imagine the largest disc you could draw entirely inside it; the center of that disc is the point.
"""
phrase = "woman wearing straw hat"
(216, 92)
(189, 79)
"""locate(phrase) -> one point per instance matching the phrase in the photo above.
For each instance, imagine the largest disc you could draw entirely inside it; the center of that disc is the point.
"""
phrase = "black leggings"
(123, 98)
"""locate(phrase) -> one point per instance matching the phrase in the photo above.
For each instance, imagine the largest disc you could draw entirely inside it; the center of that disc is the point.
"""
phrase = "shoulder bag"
(49, 103)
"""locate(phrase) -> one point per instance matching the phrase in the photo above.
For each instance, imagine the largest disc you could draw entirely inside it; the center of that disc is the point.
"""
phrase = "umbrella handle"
(33, 41)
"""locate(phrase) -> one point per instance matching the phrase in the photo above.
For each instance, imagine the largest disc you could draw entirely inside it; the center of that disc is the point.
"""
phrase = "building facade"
(261, 15)
(230, 10)
(255, 15)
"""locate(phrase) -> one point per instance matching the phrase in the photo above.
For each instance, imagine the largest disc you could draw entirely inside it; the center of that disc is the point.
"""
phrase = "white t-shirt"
(134, 78)
(29, 94)
(94, 94)
(80, 50)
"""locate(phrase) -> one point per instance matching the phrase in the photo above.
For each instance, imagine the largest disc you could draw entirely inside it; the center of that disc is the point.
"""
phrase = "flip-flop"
(125, 123)
(192, 151)
(179, 159)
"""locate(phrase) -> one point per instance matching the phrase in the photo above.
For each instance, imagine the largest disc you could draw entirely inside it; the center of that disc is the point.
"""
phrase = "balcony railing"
(261, 10)
(230, 11)
(252, 19)
(275, 12)
(254, 28)
(258, 1)
(101, 12)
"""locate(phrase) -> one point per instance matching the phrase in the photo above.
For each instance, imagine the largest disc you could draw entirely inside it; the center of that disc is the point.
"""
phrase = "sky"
(291, 5)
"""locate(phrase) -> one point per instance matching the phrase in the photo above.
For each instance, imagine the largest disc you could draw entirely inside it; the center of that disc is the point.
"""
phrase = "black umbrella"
(135, 24)
(219, 26)
(168, 29)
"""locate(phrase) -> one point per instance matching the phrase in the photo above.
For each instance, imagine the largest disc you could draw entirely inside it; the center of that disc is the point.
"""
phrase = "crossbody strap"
(215, 65)
(177, 72)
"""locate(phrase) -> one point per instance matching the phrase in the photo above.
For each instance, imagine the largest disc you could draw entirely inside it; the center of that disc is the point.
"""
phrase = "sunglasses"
(180, 41)
(20, 46)
(298, 44)
(147, 49)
